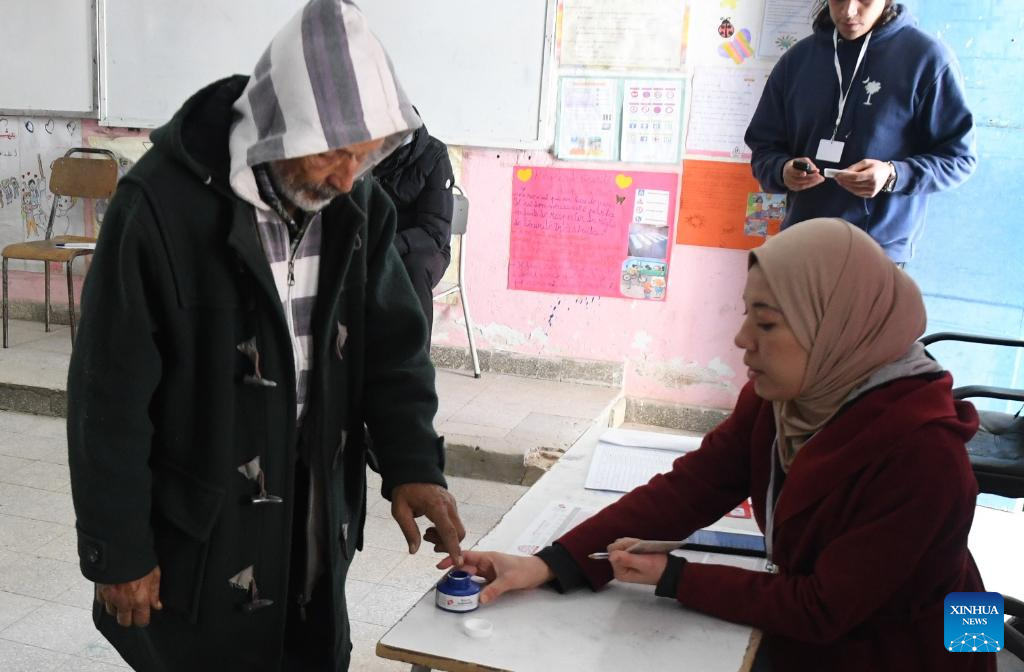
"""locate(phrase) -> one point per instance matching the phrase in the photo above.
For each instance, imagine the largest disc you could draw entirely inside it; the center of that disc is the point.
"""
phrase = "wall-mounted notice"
(786, 22)
(721, 106)
(713, 206)
(647, 34)
(592, 232)
(652, 120)
(588, 119)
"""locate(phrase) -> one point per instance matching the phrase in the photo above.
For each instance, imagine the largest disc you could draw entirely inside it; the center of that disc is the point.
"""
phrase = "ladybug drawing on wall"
(726, 29)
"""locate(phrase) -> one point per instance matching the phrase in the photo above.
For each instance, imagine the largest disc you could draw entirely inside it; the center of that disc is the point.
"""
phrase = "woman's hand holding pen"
(644, 568)
(503, 572)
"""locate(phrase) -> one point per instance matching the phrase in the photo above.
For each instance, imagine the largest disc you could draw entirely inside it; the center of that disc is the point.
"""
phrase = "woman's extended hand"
(503, 572)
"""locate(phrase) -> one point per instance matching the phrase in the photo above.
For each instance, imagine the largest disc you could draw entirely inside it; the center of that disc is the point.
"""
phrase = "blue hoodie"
(917, 119)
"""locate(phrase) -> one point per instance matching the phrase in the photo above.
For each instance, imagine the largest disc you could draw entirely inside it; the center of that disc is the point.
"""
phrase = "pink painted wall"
(679, 350)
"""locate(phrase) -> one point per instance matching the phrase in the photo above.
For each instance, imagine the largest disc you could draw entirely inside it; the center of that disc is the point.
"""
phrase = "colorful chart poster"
(786, 22)
(588, 119)
(713, 205)
(644, 34)
(592, 232)
(652, 120)
(722, 103)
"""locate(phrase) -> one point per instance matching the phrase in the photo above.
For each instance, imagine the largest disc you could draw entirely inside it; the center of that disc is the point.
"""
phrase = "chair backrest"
(79, 177)
(460, 212)
(997, 450)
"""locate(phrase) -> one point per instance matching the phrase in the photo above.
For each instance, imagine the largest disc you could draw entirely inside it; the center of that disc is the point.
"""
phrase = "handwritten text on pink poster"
(571, 228)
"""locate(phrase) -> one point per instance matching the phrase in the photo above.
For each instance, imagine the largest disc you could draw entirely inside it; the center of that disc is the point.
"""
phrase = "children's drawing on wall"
(765, 213)
(784, 24)
(127, 145)
(643, 279)
(6, 132)
(9, 192)
(33, 198)
(28, 146)
(62, 214)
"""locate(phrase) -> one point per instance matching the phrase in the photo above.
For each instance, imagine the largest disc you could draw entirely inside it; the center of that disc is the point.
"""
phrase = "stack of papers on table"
(627, 458)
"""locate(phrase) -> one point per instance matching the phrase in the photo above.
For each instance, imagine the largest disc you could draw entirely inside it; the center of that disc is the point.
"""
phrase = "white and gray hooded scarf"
(324, 83)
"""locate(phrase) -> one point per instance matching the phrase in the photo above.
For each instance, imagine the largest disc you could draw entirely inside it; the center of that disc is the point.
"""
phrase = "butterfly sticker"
(739, 48)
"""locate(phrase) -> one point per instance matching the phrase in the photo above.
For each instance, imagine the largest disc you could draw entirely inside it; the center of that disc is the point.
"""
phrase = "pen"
(643, 547)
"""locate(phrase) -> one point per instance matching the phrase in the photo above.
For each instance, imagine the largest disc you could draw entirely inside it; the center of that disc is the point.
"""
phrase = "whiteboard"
(477, 70)
(154, 54)
(48, 54)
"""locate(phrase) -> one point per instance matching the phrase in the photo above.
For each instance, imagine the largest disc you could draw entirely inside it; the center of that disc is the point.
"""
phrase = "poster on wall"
(652, 120)
(28, 146)
(647, 34)
(786, 22)
(722, 103)
(722, 205)
(592, 232)
(725, 32)
(588, 119)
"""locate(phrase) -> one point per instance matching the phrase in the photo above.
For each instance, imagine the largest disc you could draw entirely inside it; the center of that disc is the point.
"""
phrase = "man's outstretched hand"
(411, 500)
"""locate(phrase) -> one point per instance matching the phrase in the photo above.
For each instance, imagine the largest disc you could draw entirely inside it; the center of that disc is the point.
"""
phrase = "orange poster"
(713, 208)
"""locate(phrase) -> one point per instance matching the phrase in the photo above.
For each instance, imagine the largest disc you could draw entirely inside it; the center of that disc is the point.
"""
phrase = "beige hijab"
(849, 306)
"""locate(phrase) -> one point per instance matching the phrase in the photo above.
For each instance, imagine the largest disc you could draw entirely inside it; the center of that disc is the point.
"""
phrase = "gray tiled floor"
(45, 623)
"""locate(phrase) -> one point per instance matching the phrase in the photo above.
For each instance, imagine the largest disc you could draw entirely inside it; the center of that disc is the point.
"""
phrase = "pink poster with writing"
(592, 232)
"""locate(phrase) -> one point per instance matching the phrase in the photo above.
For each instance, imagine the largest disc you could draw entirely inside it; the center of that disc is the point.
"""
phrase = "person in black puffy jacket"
(418, 177)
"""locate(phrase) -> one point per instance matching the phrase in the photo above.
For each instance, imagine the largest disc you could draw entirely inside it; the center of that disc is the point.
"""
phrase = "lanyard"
(769, 507)
(843, 95)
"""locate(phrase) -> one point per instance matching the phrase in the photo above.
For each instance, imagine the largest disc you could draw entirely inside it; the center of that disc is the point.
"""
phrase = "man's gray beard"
(308, 197)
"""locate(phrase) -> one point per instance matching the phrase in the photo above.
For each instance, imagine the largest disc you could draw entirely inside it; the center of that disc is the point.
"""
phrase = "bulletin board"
(656, 81)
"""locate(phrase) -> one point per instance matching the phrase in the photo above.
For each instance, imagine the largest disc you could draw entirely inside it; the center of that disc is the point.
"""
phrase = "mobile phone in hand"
(800, 164)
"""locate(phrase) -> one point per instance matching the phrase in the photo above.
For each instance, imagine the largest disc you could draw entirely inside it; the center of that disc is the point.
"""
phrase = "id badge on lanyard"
(830, 149)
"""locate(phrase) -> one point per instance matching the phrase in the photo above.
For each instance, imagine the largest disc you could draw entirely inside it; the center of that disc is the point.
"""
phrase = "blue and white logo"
(973, 622)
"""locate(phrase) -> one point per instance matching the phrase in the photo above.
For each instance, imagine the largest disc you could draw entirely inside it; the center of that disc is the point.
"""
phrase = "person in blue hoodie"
(878, 100)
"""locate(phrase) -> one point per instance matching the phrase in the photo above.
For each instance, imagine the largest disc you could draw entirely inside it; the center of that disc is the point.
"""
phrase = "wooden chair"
(460, 220)
(75, 177)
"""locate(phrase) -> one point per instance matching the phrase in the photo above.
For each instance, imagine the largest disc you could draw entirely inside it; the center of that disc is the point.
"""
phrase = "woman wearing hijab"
(851, 446)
